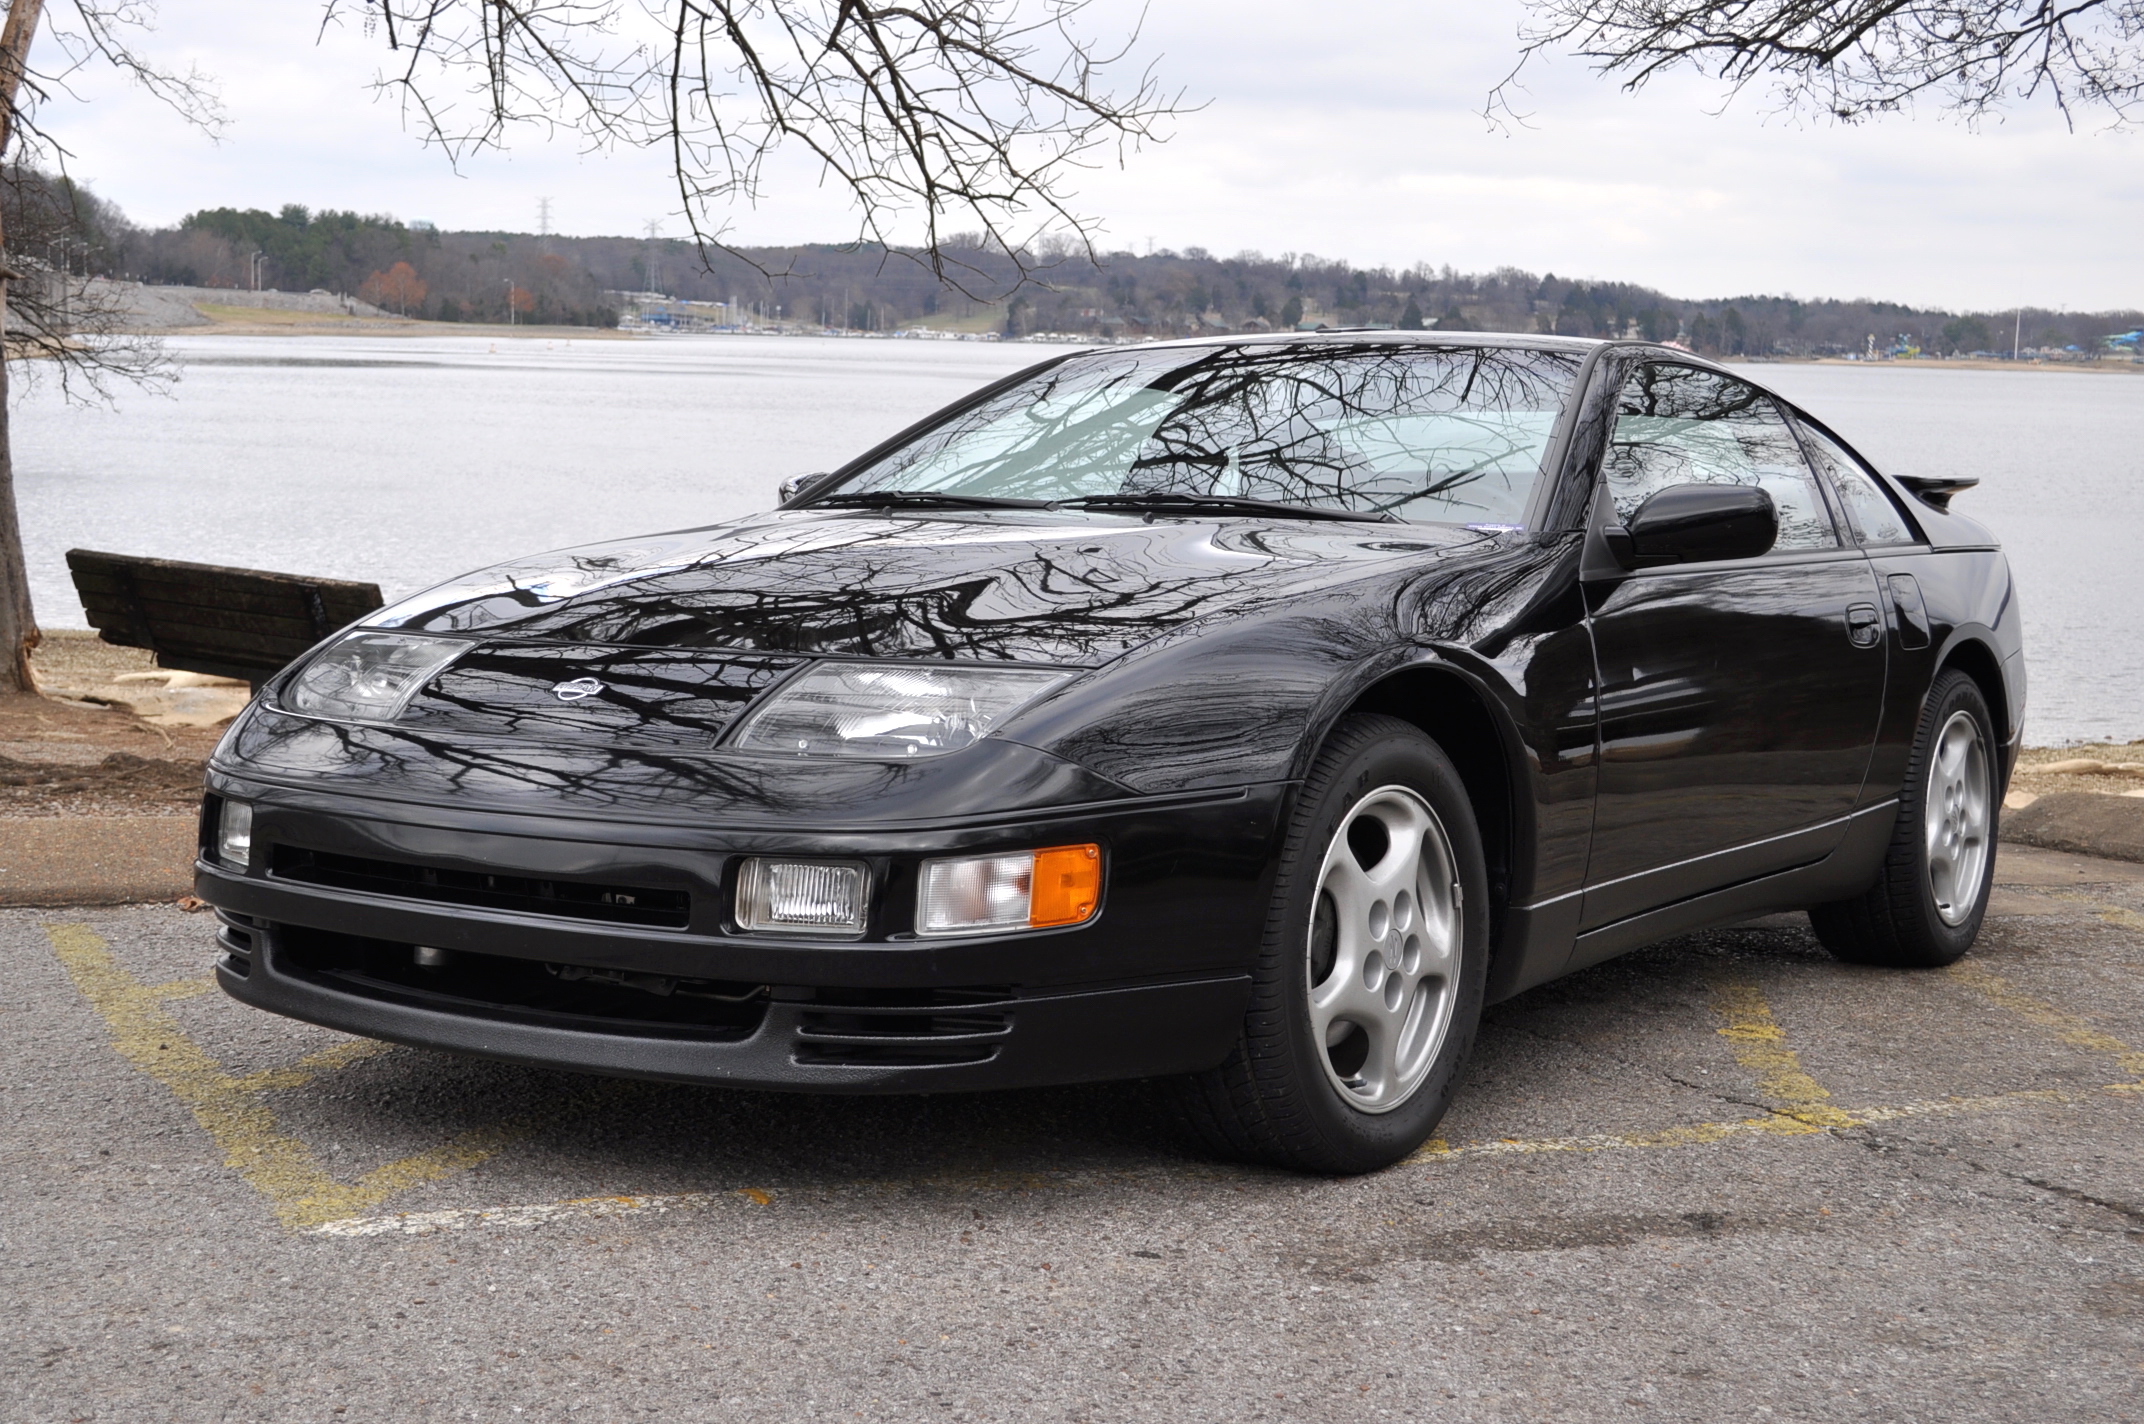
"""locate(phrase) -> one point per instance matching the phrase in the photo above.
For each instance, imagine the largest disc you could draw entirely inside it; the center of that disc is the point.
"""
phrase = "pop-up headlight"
(876, 710)
(369, 677)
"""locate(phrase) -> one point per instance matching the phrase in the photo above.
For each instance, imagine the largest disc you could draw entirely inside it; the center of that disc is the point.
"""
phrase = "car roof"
(1358, 335)
(1506, 340)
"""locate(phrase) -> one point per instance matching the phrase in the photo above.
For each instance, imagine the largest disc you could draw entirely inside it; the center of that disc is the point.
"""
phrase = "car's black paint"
(1694, 524)
(1649, 749)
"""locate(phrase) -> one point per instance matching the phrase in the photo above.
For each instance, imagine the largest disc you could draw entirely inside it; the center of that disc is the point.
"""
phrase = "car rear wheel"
(1370, 975)
(1925, 909)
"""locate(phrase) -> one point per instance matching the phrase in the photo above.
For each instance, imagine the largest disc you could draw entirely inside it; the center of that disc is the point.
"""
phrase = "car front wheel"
(1370, 975)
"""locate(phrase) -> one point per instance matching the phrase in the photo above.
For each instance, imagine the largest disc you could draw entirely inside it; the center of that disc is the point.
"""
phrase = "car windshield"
(1424, 433)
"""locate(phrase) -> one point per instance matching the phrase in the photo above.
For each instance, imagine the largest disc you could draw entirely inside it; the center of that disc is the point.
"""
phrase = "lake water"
(403, 461)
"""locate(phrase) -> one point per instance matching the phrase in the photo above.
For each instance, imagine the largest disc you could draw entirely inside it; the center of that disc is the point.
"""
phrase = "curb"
(2081, 822)
(49, 862)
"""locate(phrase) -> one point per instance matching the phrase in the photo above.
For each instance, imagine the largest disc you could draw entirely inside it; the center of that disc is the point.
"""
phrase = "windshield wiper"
(924, 499)
(1228, 504)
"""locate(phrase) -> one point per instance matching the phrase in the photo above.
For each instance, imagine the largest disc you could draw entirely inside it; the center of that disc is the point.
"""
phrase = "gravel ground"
(1724, 1178)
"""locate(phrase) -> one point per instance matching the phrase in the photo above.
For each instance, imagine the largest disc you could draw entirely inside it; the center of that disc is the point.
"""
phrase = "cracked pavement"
(1722, 1178)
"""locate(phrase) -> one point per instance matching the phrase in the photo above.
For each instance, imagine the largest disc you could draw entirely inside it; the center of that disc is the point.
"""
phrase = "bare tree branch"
(1856, 59)
(51, 322)
(935, 116)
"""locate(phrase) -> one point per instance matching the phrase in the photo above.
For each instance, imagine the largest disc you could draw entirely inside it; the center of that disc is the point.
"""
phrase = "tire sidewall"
(1381, 751)
(1952, 694)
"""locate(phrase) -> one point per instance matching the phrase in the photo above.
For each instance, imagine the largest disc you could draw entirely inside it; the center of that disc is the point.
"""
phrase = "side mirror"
(1688, 524)
(796, 485)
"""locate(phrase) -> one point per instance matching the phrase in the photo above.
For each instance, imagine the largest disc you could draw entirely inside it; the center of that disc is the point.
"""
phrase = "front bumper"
(1156, 984)
(1148, 1030)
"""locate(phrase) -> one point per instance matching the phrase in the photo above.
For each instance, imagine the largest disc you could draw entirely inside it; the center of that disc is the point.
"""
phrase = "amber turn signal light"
(1026, 890)
(1067, 886)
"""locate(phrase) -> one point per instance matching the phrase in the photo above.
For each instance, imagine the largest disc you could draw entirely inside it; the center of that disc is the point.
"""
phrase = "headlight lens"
(876, 711)
(234, 834)
(369, 677)
(1031, 890)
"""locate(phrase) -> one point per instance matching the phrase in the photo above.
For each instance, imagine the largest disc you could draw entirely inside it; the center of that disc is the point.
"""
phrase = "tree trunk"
(18, 623)
(18, 626)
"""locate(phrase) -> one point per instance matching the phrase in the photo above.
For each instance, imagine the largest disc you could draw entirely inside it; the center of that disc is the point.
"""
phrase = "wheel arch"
(1464, 719)
(1978, 660)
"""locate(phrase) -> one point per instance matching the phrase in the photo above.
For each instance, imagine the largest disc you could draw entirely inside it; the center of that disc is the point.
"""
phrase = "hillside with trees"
(417, 270)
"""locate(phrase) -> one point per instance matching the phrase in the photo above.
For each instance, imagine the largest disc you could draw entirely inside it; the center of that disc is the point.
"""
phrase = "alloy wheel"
(1955, 815)
(1384, 947)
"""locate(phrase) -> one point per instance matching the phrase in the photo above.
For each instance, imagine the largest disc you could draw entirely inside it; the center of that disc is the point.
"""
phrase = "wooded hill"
(473, 276)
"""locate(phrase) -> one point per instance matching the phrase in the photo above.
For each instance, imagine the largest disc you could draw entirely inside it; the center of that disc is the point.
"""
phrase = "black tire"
(1897, 922)
(1274, 1101)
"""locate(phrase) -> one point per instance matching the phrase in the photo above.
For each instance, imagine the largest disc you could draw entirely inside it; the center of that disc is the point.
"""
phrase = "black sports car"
(1243, 713)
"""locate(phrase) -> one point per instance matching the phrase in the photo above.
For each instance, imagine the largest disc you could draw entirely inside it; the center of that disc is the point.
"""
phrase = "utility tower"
(543, 222)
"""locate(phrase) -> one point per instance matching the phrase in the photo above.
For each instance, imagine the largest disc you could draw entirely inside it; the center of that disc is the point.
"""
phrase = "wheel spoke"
(1381, 1010)
(1955, 817)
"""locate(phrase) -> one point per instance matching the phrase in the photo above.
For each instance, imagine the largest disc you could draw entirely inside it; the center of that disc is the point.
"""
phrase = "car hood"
(1040, 586)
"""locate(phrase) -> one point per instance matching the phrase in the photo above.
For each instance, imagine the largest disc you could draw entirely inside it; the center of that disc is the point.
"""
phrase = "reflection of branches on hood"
(878, 607)
(464, 764)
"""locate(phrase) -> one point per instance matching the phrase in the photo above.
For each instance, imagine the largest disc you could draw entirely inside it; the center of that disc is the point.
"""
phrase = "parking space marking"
(1701, 1134)
(306, 1198)
(1760, 1045)
(2115, 915)
(231, 1110)
(425, 1223)
(2070, 1028)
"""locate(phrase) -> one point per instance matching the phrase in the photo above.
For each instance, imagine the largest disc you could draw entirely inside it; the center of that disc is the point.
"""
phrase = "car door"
(1738, 700)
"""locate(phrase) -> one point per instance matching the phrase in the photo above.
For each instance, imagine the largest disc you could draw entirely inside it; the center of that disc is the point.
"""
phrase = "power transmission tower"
(543, 222)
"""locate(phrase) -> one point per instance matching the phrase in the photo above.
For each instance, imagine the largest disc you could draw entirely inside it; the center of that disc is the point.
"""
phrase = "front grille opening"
(589, 1000)
(575, 899)
(904, 1027)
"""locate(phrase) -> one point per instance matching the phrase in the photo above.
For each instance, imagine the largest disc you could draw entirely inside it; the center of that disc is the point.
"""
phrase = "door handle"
(1864, 625)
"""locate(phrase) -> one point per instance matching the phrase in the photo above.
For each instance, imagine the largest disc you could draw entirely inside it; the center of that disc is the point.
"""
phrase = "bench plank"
(340, 607)
(245, 623)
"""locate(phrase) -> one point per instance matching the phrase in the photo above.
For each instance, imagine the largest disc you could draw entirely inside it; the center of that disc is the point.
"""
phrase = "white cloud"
(1347, 131)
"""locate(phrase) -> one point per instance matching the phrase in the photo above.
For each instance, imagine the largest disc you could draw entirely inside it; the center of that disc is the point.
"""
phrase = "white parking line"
(424, 1223)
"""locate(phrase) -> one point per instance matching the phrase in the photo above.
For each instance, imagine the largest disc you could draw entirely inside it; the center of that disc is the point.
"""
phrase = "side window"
(1677, 425)
(1875, 519)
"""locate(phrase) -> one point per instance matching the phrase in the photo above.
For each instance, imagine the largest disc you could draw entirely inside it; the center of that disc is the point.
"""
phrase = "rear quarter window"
(1871, 512)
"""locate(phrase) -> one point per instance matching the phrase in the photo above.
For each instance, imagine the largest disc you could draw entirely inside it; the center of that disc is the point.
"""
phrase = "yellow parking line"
(1781, 1125)
(313, 1065)
(278, 1166)
(2113, 914)
(2070, 1028)
(1761, 1046)
(232, 1108)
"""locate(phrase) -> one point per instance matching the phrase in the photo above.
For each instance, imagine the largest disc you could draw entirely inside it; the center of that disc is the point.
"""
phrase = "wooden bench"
(242, 623)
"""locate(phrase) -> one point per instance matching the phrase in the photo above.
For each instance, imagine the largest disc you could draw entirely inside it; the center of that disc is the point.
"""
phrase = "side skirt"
(1847, 871)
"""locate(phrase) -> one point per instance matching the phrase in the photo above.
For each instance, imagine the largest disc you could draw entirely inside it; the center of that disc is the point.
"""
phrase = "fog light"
(1030, 890)
(234, 834)
(797, 895)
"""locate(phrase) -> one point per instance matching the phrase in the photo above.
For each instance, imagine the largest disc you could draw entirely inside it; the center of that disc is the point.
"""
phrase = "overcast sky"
(1351, 131)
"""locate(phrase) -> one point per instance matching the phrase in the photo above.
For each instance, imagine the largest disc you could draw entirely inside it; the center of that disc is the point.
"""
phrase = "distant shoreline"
(255, 321)
(313, 324)
(1967, 363)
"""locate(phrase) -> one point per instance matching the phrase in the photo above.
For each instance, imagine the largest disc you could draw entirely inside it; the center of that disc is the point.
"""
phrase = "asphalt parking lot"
(1722, 1179)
